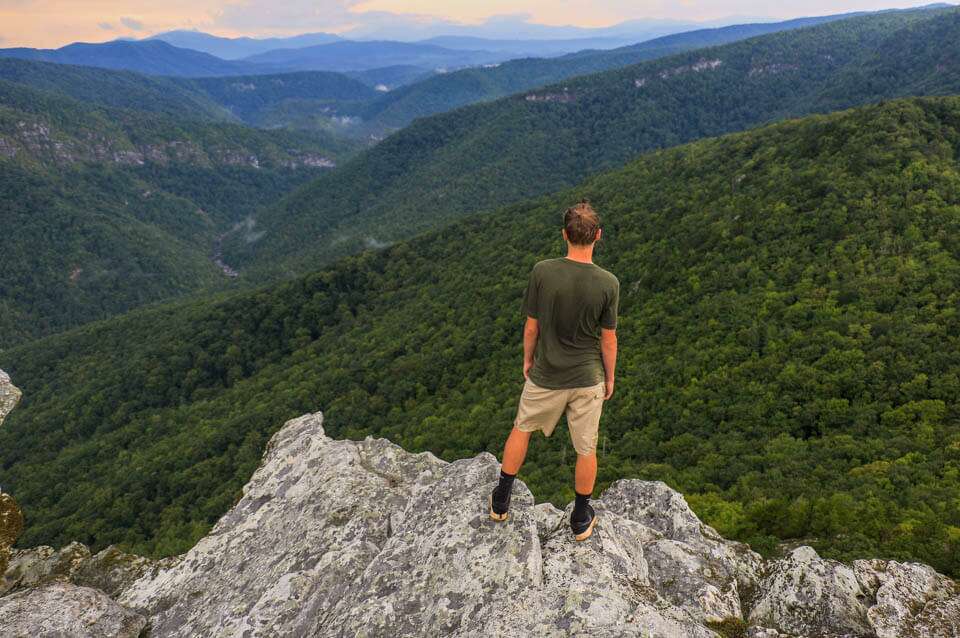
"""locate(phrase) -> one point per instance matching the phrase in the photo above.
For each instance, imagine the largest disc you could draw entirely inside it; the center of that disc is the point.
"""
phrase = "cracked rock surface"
(9, 396)
(361, 538)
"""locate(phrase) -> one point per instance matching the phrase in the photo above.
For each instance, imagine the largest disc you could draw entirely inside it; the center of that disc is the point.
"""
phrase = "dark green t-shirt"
(571, 301)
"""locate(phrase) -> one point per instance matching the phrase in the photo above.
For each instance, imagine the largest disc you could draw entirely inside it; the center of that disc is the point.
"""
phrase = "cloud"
(346, 18)
(132, 23)
(256, 15)
(106, 26)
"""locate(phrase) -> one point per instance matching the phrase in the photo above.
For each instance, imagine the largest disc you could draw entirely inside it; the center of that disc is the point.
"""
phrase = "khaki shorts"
(541, 408)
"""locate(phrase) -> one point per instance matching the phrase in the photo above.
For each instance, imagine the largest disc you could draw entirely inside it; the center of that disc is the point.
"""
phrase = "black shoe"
(583, 527)
(498, 507)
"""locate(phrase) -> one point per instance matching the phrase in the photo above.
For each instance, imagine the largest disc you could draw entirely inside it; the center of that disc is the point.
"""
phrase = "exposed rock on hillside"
(9, 396)
(347, 538)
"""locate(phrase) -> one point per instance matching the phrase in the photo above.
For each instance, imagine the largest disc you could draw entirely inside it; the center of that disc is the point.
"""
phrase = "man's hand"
(526, 369)
(608, 389)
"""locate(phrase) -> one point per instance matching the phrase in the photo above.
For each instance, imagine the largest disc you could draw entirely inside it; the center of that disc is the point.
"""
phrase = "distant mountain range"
(153, 57)
(361, 56)
(238, 48)
(490, 154)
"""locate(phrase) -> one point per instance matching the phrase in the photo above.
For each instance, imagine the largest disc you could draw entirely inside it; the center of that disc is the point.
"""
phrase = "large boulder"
(807, 595)
(41, 565)
(9, 396)
(64, 609)
(11, 524)
(910, 600)
(343, 538)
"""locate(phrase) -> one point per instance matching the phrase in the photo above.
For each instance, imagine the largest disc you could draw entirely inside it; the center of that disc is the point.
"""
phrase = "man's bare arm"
(531, 332)
(608, 349)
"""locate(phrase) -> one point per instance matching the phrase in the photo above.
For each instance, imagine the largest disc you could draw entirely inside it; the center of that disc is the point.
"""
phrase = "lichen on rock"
(9, 396)
(11, 525)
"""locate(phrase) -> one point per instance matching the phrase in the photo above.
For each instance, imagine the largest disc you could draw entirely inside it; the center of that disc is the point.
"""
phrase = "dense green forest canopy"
(487, 155)
(789, 332)
(105, 208)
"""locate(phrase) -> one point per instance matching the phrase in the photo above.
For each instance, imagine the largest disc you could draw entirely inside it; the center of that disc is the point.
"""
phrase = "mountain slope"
(487, 155)
(449, 91)
(257, 99)
(122, 89)
(790, 352)
(152, 57)
(106, 209)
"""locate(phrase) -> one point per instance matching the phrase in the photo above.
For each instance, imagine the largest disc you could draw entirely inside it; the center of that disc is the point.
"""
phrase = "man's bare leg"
(585, 474)
(514, 452)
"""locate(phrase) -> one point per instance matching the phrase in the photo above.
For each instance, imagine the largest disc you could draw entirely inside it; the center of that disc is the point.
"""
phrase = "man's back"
(572, 301)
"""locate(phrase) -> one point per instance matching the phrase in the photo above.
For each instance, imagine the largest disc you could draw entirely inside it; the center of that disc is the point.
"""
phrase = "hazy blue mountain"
(518, 27)
(528, 48)
(237, 48)
(360, 56)
(153, 57)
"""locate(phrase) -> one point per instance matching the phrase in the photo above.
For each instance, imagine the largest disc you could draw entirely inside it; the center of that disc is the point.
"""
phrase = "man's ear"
(599, 234)
(563, 233)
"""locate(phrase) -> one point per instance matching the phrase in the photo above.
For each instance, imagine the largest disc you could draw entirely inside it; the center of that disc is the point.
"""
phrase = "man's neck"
(582, 254)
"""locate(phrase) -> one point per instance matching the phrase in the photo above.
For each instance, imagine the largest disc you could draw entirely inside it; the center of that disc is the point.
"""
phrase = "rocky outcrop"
(62, 609)
(348, 538)
(9, 396)
(11, 524)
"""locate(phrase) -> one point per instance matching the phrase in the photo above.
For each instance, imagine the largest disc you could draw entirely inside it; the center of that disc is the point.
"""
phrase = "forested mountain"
(124, 89)
(281, 100)
(106, 209)
(790, 352)
(349, 55)
(449, 91)
(487, 155)
(152, 57)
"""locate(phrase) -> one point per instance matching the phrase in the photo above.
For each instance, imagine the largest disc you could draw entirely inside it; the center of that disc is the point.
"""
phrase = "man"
(569, 358)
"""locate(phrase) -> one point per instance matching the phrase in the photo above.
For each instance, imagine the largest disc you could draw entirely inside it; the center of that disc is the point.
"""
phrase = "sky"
(53, 23)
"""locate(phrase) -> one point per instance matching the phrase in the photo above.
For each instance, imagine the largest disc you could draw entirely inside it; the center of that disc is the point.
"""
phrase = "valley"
(201, 244)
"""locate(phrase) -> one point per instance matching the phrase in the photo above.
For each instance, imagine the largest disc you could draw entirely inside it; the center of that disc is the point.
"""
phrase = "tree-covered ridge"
(153, 57)
(790, 352)
(46, 127)
(119, 89)
(487, 155)
(106, 209)
(446, 92)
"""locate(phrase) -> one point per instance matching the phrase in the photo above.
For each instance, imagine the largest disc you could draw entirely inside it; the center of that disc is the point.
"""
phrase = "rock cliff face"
(9, 396)
(361, 538)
